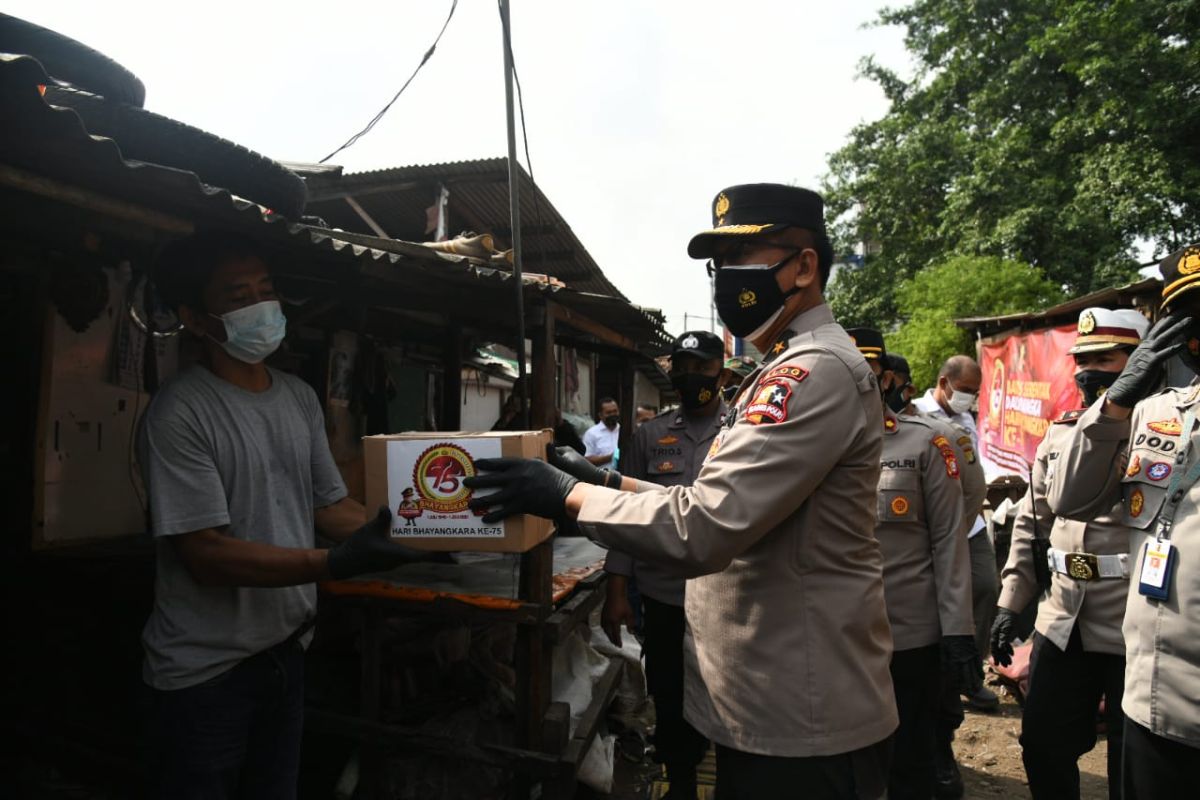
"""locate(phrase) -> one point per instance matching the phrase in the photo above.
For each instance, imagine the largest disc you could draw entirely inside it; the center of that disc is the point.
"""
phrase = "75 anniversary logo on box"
(426, 491)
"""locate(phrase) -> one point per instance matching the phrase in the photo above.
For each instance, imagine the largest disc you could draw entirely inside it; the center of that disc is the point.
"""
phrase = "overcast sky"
(638, 112)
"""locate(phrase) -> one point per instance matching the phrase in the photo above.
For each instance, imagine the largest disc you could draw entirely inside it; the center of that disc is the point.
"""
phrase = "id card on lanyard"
(1158, 554)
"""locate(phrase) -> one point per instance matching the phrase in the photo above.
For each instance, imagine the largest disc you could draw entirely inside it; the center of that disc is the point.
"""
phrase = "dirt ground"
(987, 749)
(990, 757)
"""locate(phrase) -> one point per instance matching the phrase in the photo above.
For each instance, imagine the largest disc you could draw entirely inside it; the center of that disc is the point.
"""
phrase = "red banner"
(1028, 381)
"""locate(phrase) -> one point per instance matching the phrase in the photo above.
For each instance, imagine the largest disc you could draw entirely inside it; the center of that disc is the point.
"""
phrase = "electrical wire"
(385, 109)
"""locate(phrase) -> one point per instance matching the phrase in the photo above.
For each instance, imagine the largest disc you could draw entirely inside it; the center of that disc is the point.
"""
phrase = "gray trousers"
(985, 588)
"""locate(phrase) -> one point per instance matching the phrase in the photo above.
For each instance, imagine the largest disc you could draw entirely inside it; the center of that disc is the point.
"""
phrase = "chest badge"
(1135, 467)
(900, 506)
(668, 440)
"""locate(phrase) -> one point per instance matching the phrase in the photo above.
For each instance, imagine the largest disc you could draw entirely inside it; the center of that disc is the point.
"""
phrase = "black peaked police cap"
(701, 344)
(870, 343)
(752, 209)
(1180, 273)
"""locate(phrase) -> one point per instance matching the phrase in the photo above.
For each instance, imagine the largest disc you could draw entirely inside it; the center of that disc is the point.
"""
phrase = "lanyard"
(1179, 483)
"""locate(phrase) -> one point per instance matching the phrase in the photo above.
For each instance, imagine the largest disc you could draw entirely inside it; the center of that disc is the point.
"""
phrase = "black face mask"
(748, 299)
(1190, 354)
(895, 399)
(695, 390)
(1094, 383)
(611, 421)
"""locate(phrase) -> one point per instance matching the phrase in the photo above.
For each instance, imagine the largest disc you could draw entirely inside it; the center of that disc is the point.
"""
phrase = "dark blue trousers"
(235, 736)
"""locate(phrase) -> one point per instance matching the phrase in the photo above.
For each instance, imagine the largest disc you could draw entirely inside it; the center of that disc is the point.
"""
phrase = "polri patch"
(770, 404)
(787, 372)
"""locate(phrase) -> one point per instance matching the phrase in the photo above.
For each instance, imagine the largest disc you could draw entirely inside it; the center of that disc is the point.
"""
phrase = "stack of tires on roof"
(109, 100)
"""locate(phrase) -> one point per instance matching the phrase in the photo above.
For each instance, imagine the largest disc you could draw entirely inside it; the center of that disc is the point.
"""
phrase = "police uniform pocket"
(900, 498)
(1144, 488)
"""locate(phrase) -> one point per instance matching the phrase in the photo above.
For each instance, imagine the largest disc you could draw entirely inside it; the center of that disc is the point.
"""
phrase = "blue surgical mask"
(254, 332)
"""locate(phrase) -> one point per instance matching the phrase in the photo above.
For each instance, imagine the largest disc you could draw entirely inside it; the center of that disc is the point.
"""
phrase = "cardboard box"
(419, 477)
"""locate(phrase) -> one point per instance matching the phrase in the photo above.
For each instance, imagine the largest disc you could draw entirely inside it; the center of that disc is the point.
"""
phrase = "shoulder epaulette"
(1070, 416)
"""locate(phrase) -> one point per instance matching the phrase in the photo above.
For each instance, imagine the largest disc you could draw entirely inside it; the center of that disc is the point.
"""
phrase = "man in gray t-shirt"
(240, 479)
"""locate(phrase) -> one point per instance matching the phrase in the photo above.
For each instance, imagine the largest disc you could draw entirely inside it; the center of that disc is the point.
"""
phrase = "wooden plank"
(543, 371)
(588, 325)
(450, 418)
(532, 651)
(573, 613)
(365, 217)
(92, 201)
(371, 756)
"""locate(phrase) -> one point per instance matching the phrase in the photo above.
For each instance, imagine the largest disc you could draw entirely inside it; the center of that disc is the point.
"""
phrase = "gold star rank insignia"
(778, 348)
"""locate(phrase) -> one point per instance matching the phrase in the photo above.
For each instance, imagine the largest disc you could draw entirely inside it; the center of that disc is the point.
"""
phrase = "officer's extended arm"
(1087, 479)
(1018, 581)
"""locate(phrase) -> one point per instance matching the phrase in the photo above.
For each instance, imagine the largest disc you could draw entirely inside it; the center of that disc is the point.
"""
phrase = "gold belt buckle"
(1083, 566)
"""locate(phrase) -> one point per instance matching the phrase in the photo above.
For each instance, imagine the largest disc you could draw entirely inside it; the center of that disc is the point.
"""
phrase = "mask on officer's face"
(611, 421)
(896, 398)
(748, 299)
(695, 390)
(1190, 354)
(1094, 383)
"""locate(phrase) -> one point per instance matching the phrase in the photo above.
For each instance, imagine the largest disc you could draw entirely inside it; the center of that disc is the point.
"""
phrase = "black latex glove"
(961, 663)
(524, 486)
(1140, 376)
(370, 549)
(571, 462)
(1002, 636)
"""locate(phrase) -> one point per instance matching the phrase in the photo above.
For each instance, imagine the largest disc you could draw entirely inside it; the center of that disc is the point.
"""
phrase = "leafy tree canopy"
(964, 286)
(1058, 133)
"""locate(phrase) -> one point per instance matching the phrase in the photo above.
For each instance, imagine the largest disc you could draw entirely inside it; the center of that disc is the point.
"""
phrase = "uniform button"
(1179, 458)
(1175, 498)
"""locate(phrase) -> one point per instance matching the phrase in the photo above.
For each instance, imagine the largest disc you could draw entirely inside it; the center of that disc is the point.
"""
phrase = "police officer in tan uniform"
(669, 450)
(1078, 653)
(1134, 453)
(788, 642)
(948, 780)
(926, 576)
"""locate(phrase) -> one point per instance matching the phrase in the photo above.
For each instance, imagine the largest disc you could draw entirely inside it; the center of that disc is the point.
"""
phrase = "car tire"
(70, 61)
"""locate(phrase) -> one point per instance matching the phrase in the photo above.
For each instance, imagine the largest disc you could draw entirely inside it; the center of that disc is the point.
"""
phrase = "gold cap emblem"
(1087, 323)
(721, 208)
(1189, 262)
(705, 396)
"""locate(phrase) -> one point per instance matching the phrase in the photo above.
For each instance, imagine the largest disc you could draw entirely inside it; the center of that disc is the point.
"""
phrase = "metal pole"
(514, 206)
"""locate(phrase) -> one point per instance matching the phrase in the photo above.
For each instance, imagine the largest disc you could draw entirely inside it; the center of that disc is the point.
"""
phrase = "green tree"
(964, 286)
(1059, 133)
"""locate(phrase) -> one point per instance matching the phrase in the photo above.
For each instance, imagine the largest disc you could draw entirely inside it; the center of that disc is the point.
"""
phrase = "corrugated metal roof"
(39, 141)
(478, 201)
(1115, 297)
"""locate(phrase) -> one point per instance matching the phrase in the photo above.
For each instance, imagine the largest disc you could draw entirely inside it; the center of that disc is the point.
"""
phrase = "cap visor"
(1184, 286)
(1096, 347)
(698, 354)
(703, 245)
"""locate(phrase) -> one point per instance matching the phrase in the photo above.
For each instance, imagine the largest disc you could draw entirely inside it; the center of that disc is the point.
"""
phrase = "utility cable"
(385, 109)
